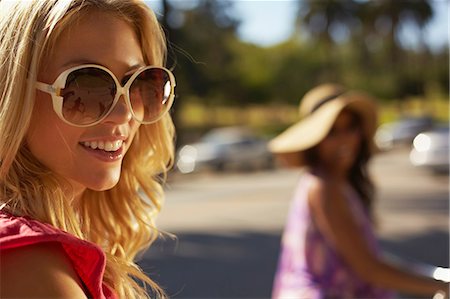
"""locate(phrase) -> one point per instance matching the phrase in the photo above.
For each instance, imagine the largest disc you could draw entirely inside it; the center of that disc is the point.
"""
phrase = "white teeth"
(109, 146)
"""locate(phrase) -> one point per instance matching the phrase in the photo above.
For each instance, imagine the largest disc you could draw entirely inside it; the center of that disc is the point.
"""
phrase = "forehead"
(96, 37)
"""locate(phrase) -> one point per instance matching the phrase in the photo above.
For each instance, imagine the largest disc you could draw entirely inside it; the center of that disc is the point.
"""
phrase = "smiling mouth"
(106, 151)
(107, 146)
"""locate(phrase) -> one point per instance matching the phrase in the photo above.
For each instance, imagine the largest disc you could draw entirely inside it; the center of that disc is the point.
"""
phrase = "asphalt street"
(221, 231)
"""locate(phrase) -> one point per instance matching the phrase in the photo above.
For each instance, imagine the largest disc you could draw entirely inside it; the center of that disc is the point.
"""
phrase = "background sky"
(258, 28)
(268, 22)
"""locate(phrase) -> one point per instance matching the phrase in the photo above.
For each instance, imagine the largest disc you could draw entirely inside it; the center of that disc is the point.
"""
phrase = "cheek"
(355, 140)
(49, 139)
(134, 127)
(326, 149)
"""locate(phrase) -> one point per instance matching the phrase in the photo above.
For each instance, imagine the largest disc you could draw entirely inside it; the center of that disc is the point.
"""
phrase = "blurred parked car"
(225, 148)
(431, 149)
(401, 132)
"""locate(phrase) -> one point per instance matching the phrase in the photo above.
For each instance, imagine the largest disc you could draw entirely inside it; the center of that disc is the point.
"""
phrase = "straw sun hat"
(319, 109)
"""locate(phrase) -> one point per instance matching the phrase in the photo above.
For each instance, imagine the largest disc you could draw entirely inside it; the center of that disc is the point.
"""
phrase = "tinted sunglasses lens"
(88, 95)
(150, 94)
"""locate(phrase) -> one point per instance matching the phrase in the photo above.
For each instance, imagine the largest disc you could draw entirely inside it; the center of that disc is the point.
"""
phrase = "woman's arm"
(38, 271)
(335, 220)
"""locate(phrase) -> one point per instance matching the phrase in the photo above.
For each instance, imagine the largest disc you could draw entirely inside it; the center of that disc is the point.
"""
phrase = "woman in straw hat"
(328, 248)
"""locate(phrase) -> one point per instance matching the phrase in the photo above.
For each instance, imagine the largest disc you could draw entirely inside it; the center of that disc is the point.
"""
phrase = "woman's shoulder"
(35, 244)
(322, 189)
(38, 270)
(315, 185)
(326, 197)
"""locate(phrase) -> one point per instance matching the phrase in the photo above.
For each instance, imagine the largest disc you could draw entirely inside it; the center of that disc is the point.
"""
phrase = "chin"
(346, 165)
(102, 181)
(103, 186)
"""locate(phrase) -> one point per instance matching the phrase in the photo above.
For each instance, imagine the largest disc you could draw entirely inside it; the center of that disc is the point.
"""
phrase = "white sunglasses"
(85, 95)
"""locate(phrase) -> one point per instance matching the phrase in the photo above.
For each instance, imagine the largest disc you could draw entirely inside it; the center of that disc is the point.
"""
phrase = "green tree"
(326, 23)
(199, 39)
(395, 15)
(373, 28)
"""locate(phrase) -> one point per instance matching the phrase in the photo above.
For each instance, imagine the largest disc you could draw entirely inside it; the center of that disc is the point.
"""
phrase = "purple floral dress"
(309, 267)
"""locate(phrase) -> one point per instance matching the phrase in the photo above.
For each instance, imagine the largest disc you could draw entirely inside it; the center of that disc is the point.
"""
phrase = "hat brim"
(312, 129)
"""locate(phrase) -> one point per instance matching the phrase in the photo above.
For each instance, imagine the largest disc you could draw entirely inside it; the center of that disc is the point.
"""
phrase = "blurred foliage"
(352, 42)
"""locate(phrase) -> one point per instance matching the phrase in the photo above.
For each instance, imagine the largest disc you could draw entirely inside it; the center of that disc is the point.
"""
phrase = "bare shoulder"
(41, 270)
(327, 201)
(317, 188)
(321, 191)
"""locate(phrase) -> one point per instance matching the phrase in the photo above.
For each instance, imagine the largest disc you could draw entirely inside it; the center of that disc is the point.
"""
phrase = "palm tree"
(400, 13)
(321, 20)
(370, 23)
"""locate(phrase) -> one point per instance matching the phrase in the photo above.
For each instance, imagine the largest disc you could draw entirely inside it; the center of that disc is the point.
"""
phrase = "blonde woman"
(85, 138)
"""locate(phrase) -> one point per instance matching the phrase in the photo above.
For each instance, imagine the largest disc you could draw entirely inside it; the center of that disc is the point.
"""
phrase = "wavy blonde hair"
(120, 220)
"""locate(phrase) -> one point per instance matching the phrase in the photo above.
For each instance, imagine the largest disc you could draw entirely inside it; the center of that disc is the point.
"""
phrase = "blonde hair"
(119, 220)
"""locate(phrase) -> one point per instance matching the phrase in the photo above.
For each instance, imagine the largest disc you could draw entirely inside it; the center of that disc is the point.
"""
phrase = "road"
(228, 226)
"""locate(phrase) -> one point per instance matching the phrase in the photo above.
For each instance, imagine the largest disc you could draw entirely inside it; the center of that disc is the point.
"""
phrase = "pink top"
(87, 258)
(309, 267)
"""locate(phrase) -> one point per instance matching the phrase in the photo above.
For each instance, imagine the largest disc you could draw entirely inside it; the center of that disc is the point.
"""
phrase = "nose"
(121, 112)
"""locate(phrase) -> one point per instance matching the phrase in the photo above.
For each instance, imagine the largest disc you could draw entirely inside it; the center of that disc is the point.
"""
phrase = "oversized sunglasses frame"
(60, 83)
